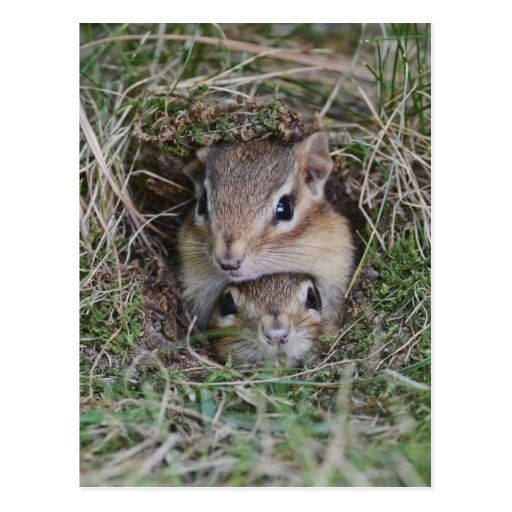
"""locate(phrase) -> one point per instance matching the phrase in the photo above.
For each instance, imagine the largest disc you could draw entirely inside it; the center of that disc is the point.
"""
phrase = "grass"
(156, 409)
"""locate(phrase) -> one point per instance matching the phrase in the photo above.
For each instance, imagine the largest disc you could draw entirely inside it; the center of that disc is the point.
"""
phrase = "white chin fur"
(235, 278)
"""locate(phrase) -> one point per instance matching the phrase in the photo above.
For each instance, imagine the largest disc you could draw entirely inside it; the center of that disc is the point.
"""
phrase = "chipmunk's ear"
(195, 169)
(202, 154)
(313, 153)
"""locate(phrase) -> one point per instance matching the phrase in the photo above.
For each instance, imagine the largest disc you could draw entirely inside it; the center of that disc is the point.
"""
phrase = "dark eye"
(227, 306)
(202, 208)
(284, 209)
(312, 299)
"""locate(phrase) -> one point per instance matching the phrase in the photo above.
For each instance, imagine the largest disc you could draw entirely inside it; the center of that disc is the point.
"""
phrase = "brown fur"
(244, 183)
(279, 299)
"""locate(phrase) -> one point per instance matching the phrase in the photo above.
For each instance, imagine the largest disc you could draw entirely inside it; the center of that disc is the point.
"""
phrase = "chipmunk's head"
(254, 197)
(257, 322)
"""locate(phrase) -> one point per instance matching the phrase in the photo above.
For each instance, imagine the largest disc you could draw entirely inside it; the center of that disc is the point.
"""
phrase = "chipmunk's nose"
(229, 255)
(279, 335)
(230, 263)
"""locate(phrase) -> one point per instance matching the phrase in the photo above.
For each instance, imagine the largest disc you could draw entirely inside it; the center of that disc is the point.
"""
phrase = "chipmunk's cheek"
(268, 350)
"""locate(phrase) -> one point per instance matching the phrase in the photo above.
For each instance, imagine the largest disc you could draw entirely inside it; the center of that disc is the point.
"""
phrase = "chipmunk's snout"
(278, 336)
(229, 263)
(276, 327)
(229, 256)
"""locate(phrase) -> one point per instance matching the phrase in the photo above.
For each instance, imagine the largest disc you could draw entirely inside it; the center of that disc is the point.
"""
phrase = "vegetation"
(156, 409)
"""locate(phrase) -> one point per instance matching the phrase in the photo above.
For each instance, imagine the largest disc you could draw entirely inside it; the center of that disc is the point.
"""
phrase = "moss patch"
(180, 124)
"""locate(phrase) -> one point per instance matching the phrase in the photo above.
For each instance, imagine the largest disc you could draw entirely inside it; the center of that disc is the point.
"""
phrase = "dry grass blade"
(204, 360)
(340, 65)
(137, 217)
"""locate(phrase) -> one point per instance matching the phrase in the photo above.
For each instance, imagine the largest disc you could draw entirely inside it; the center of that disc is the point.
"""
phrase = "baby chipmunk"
(261, 210)
(259, 322)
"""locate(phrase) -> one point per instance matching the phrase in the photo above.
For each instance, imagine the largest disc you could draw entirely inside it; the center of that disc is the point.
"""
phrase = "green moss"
(102, 310)
(403, 285)
(177, 125)
(100, 320)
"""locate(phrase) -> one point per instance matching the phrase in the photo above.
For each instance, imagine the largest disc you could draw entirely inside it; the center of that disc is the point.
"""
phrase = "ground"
(156, 408)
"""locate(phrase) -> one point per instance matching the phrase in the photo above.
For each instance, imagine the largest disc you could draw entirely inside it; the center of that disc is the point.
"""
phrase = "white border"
(39, 257)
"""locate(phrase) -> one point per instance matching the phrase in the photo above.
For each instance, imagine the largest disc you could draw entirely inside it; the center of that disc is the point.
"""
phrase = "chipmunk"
(261, 210)
(259, 322)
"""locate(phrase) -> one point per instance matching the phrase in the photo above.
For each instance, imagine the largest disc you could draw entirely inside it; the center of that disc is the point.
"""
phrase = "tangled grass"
(156, 409)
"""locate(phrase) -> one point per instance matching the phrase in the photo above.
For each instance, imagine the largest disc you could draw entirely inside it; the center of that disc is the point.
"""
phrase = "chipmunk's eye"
(202, 205)
(227, 306)
(312, 299)
(284, 209)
